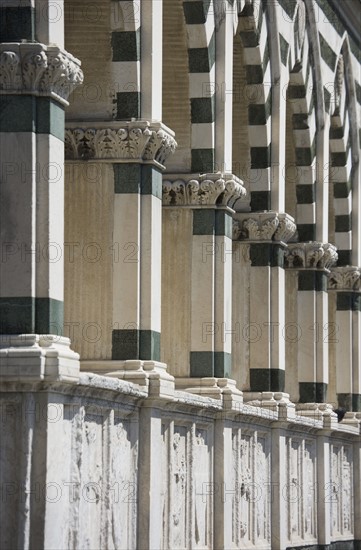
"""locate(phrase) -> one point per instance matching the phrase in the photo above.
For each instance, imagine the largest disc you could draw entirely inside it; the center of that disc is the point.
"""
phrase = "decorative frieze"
(39, 70)
(116, 141)
(264, 226)
(202, 190)
(345, 278)
(312, 255)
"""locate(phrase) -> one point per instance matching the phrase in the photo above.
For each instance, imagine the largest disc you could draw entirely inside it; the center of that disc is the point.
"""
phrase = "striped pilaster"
(224, 95)
(286, 46)
(126, 53)
(17, 20)
(312, 260)
(346, 282)
(31, 21)
(203, 326)
(341, 164)
(254, 36)
(211, 311)
(301, 99)
(32, 187)
(266, 235)
(137, 280)
(200, 27)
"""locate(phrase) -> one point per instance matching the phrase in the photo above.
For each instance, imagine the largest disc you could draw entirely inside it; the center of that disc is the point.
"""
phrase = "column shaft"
(137, 280)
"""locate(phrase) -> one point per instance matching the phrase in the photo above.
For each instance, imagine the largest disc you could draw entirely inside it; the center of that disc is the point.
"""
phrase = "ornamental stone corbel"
(345, 279)
(202, 190)
(312, 255)
(38, 69)
(140, 140)
(263, 227)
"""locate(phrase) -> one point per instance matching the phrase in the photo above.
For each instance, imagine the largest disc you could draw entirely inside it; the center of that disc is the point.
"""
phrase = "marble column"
(35, 82)
(201, 205)
(266, 234)
(345, 281)
(137, 150)
(313, 261)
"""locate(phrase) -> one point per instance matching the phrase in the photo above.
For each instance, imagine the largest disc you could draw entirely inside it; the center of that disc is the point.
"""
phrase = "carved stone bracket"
(39, 70)
(312, 255)
(263, 226)
(345, 278)
(205, 189)
(128, 141)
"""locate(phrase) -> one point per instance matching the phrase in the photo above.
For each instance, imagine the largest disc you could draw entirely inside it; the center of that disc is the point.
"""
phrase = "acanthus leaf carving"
(345, 278)
(205, 189)
(119, 141)
(39, 69)
(312, 255)
(10, 76)
(264, 226)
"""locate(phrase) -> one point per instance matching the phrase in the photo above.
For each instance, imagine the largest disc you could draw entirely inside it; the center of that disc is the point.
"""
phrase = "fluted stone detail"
(39, 70)
(135, 140)
(312, 255)
(205, 189)
(263, 226)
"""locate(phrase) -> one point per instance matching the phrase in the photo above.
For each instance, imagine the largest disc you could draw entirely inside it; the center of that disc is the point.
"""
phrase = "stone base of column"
(34, 357)
(151, 376)
(278, 402)
(322, 412)
(352, 419)
(217, 388)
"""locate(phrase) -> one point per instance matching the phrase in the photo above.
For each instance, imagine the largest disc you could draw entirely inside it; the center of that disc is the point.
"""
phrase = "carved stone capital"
(149, 142)
(345, 278)
(38, 69)
(263, 226)
(311, 255)
(204, 189)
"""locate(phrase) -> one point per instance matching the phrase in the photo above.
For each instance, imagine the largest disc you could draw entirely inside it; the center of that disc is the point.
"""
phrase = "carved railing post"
(265, 235)
(346, 282)
(313, 261)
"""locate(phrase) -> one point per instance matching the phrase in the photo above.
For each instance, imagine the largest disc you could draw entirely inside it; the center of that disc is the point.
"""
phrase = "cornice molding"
(311, 255)
(37, 69)
(345, 278)
(114, 141)
(202, 189)
(263, 226)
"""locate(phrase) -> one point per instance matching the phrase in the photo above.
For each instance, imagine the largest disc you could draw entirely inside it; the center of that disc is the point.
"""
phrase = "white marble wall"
(99, 464)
